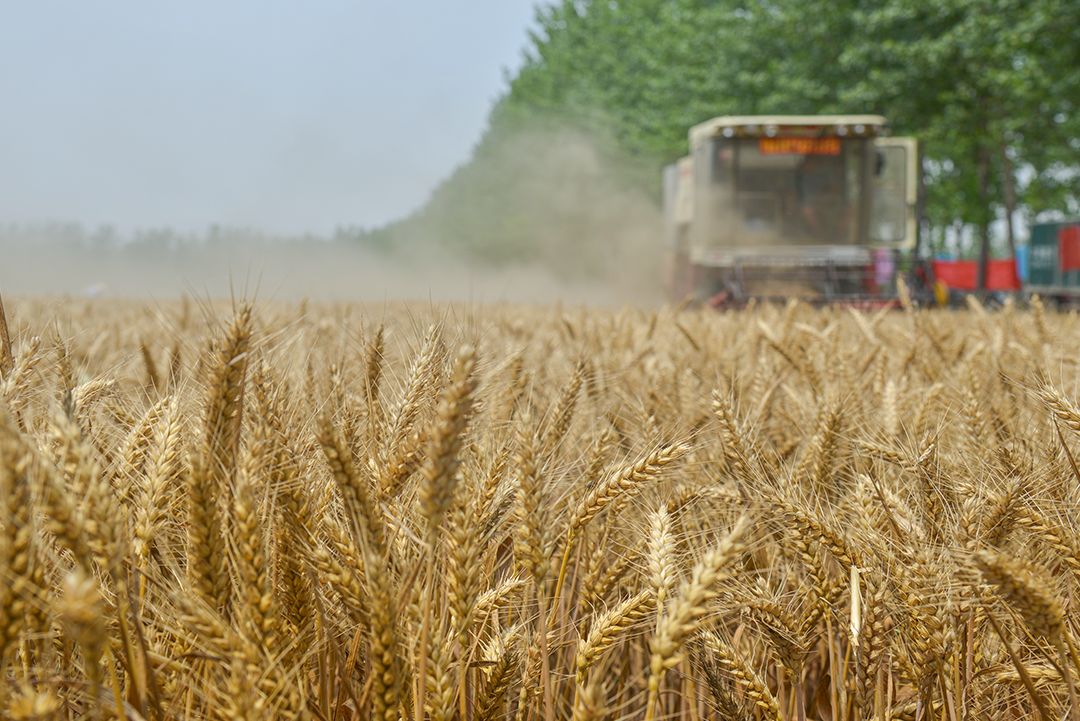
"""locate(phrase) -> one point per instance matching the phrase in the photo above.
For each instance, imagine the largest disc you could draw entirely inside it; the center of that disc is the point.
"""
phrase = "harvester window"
(722, 163)
(823, 208)
(889, 213)
(761, 181)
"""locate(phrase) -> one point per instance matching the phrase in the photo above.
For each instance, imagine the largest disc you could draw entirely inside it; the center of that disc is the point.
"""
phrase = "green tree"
(989, 87)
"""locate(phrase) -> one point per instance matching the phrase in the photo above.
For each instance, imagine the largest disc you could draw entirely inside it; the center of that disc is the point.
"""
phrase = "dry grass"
(270, 511)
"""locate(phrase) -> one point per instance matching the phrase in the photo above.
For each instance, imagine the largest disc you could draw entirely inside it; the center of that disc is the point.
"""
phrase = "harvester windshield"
(763, 185)
(780, 191)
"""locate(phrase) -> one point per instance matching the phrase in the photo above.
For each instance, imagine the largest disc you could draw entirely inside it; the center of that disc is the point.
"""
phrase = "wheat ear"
(7, 360)
(439, 477)
(608, 627)
(662, 571)
(439, 470)
(400, 458)
(17, 380)
(215, 464)
(562, 411)
(683, 617)
(625, 483)
(1024, 591)
(81, 613)
(163, 468)
(755, 688)
(374, 361)
(439, 699)
(1059, 404)
(500, 679)
(341, 563)
(871, 639)
(738, 448)
(786, 635)
(588, 705)
(465, 545)
(385, 663)
(362, 508)
(532, 547)
(153, 378)
(258, 613)
(136, 446)
(15, 538)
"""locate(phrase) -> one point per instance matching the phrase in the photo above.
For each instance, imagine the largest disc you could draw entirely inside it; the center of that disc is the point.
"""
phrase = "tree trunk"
(984, 223)
(1008, 184)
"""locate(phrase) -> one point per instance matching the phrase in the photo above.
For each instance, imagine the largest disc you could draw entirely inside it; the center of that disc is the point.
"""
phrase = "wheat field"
(262, 511)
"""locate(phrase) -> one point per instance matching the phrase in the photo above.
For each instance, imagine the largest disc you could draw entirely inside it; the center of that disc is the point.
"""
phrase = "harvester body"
(777, 206)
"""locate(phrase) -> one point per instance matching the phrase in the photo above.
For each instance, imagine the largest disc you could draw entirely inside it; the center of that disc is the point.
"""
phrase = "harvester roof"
(755, 126)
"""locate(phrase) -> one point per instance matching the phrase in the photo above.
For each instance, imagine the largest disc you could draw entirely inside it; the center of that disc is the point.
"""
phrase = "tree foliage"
(989, 87)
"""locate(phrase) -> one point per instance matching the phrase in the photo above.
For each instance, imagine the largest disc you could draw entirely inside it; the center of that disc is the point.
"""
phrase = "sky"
(286, 117)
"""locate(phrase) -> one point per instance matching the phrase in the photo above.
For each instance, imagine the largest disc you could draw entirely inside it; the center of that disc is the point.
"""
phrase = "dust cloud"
(539, 217)
(560, 199)
(319, 270)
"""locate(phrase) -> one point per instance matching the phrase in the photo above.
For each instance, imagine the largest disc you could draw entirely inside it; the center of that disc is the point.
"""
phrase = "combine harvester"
(771, 207)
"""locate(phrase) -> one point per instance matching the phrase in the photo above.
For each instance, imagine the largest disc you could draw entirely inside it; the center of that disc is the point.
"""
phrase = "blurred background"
(487, 149)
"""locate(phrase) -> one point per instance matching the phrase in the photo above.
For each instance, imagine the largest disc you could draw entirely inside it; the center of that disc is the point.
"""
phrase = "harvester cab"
(778, 206)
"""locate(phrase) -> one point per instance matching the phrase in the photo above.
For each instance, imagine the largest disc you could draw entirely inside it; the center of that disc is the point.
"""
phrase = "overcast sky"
(289, 117)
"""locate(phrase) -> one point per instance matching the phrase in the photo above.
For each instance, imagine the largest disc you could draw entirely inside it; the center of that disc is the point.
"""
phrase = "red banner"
(964, 274)
(1069, 248)
(799, 146)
